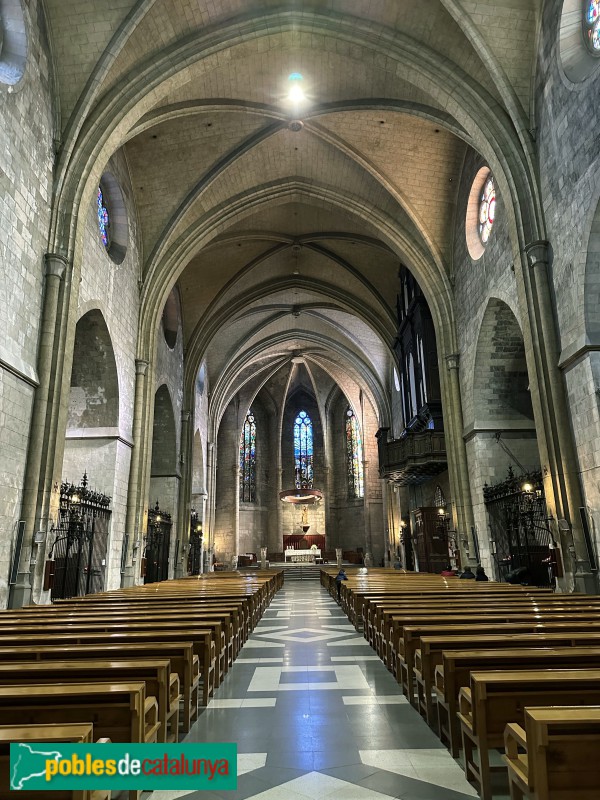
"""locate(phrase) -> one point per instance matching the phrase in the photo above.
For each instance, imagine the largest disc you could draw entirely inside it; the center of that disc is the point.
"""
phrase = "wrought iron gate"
(194, 565)
(519, 527)
(81, 540)
(157, 545)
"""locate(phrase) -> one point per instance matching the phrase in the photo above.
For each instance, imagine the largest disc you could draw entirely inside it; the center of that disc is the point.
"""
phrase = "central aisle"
(316, 714)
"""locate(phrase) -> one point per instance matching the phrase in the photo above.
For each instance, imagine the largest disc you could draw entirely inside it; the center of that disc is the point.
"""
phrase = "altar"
(299, 556)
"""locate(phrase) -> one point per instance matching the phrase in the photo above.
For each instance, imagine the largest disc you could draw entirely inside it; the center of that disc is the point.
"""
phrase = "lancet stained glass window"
(103, 219)
(487, 210)
(354, 455)
(248, 460)
(303, 451)
(592, 25)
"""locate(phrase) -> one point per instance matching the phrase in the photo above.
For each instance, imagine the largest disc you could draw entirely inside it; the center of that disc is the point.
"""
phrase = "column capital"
(141, 366)
(452, 361)
(185, 416)
(537, 253)
(55, 265)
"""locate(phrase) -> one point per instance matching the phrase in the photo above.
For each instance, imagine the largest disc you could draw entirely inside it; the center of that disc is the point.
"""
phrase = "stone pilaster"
(184, 504)
(135, 514)
(561, 474)
(459, 474)
(40, 453)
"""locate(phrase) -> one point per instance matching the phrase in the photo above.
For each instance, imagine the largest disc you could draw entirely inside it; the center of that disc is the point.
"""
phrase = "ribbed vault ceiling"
(308, 263)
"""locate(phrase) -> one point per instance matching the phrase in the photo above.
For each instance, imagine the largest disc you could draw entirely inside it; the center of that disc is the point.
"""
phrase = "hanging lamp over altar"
(301, 497)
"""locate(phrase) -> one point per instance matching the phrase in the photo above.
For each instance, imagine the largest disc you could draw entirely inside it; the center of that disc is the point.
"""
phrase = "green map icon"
(28, 764)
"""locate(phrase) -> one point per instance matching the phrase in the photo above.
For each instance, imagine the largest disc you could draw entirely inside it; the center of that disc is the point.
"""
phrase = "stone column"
(327, 483)
(183, 501)
(278, 544)
(209, 528)
(135, 514)
(38, 452)
(459, 470)
(236, 513)
(367, 517)
(562, 476)
(387, 553)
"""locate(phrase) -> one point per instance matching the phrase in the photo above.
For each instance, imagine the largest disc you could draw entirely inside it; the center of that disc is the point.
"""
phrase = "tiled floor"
(315, 714)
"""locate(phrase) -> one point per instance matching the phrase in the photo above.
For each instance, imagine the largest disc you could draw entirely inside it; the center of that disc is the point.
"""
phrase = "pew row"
(80, 733)
(495, 699)
(554, 756)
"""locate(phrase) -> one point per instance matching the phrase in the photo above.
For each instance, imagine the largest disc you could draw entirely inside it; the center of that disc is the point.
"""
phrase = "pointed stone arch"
(501, 382)
(592, 281)
(164, 435)
(94, 392)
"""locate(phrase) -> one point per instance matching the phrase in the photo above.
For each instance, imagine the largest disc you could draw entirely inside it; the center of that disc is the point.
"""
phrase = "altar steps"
(305, 571)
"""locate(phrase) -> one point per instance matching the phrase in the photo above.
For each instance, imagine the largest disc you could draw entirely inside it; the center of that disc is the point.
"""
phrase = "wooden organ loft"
(419, 453)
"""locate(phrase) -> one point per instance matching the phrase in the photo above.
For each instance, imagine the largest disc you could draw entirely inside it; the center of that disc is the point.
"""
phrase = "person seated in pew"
(480, 574)
(448, 572)
(341, 576)
(468, 574)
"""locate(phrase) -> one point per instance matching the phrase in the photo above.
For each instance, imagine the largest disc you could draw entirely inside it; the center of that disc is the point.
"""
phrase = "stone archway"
(93, 444)
(164, 470)
(504, 434)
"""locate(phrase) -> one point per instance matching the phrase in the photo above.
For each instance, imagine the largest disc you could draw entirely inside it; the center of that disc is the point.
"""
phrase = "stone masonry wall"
(490, 339)
(26, 161)
(569, 157)
(112, 289)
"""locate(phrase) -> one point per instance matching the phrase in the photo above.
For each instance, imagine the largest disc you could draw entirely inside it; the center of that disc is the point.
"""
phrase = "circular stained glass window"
(487, 210)
(592, 25)
(103, 220)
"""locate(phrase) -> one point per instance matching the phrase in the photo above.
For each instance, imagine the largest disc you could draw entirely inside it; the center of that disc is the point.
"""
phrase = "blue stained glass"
(248, 460)
(592, 23)
(303, 451)
(103, 219)
(354, 455)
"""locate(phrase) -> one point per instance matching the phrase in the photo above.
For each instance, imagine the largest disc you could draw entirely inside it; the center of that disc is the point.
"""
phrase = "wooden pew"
(495, 699)
(382, 631)
(156, 629)
(469, 617)
(377, 611)
(200, 639)
(155, 673)
(456, 668)
(180, 654)
(555, 756)
(429, 655)
(120, 606)
(411, 634)
(81, 733)
(119, 711)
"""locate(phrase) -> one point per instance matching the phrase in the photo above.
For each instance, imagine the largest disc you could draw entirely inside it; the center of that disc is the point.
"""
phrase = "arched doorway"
(513, 527)
(164, 489)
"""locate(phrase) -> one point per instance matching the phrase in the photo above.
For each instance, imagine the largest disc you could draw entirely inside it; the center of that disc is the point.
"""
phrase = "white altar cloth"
(302, 555)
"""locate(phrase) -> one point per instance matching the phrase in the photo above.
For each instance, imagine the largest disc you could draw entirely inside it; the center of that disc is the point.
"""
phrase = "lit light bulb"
(296, 94)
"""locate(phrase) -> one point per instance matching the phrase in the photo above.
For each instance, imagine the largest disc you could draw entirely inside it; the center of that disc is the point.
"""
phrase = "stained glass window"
(487, 210)
(354, 456)
(248, 460)
(103, 219)
(592, 25)
(303, 451)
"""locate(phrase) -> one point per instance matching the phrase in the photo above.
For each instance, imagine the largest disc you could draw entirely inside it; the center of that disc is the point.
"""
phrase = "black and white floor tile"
(315, 714)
